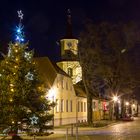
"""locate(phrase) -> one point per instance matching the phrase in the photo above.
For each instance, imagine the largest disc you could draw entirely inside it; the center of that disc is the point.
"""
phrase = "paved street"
(120, 131)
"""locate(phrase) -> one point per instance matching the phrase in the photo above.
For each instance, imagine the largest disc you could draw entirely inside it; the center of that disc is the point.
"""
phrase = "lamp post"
(127, 107)
(115, 98)
(77, 118)
(51, 94)
(116, 111)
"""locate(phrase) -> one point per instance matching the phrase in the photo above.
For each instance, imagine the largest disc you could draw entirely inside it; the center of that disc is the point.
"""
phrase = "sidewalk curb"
(88, 128)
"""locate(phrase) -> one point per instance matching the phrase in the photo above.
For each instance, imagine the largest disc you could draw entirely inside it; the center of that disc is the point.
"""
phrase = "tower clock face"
(69, 44)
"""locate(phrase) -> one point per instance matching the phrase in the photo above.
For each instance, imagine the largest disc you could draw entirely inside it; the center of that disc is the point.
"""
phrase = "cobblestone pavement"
(120, 131)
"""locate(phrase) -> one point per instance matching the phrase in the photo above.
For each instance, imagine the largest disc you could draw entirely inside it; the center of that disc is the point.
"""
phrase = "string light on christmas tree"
(12, 90)
(16, 59)
(16, 50)
(11, 85)
(11, 100)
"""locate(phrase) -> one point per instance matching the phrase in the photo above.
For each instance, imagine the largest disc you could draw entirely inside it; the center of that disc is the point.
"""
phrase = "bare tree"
(104, 51)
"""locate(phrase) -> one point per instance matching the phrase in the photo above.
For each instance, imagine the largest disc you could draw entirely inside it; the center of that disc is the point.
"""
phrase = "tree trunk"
(122, 108)
(89, 102)
(116, 111)
(89, 109)
(111, 111)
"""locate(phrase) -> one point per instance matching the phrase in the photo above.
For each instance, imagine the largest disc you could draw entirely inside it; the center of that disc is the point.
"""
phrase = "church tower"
(69, 53)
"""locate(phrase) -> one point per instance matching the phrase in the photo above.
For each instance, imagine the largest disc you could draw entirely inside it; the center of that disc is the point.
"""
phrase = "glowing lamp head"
(115, 98)
(119, 101)
(51, 93)
(133, 105)
(127, 103)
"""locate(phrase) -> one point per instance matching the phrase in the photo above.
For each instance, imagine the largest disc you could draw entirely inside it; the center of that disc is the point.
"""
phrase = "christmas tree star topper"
(19, 28)
(20, 14)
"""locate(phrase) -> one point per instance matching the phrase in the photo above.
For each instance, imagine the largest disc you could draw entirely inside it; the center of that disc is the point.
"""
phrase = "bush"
(16, 137)
(39, 133)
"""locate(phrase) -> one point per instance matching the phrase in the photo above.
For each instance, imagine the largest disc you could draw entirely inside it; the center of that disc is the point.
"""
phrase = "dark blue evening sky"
(45, 20)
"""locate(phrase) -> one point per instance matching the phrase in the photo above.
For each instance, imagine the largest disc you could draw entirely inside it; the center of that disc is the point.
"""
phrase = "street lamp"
(133, 105)
(115, 98)
(116, 101)
(127, 107)
(127, 103)
(51, 94)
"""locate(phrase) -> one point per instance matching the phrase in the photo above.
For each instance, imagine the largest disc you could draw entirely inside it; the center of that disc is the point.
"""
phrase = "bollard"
(76, 131)
(67, 134)
(34, 137)
(71, 129)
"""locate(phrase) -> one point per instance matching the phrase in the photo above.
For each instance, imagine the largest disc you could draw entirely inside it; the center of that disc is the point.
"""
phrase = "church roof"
(48, 70)
(79, 91)
(59, 70)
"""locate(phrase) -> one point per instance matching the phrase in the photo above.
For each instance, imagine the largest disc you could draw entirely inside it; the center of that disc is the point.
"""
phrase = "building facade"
(61, 84)
(70, 108)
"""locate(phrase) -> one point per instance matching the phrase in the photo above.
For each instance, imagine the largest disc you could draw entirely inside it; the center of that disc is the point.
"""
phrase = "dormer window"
(70, 72)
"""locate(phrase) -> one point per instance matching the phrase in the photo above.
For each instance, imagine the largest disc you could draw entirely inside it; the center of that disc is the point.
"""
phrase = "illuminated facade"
(70, 107)
(62, 83)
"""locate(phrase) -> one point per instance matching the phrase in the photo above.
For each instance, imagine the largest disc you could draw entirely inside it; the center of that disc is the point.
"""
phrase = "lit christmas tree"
(22, 94)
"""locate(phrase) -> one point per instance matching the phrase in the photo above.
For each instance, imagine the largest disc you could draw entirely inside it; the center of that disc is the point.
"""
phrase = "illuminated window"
(67, 106)
(84, 106)
(78, 106)
(66, 85)
(62, 83)
(94, 105)
(57, 82)
(57, 105)
(71, 106)
(70, 86)
(62, 105)
(81, 106)
(70, 72)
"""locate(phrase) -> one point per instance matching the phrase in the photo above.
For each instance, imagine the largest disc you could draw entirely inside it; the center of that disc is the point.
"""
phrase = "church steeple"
(69, 34)
(69, 53)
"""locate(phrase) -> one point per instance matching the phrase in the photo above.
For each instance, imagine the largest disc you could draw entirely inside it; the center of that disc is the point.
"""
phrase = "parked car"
(128, 117)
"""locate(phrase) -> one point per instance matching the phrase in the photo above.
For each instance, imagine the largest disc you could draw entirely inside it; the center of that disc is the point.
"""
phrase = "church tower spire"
(69, 52)
(69, 33)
